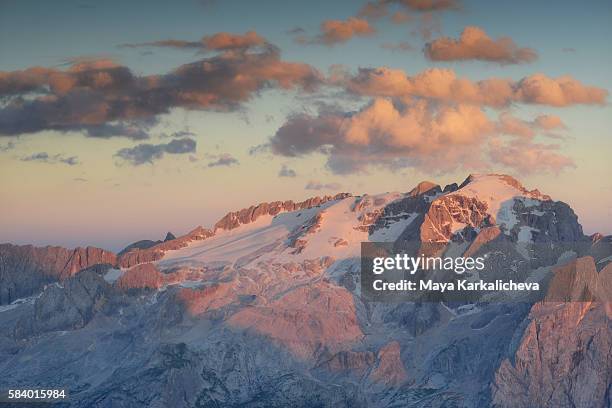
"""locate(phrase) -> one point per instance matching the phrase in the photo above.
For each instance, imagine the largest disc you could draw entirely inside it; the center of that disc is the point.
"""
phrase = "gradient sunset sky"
(121, 134)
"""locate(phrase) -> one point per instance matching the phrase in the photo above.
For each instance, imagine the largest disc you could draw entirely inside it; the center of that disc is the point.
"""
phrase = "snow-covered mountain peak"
(335, 226)
(497, 187)
(498, 193)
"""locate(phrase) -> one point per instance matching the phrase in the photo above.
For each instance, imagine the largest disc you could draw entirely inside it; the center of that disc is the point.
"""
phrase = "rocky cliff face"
(564, 358)
(25, 270)
(247, 215)
(146, 243)
(452, 214)
(264, 309)
(136, 256)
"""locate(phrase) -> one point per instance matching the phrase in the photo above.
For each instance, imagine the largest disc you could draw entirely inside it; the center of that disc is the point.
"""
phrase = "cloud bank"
(148, 153)
(434, 120)
(286, 172)
(218, 42)
(475, 44)
(317, 186)
(44, 157)
(443, 85)
(339, 31)
(224, 160)
(102, 98)
(432, 137)
(380, 8)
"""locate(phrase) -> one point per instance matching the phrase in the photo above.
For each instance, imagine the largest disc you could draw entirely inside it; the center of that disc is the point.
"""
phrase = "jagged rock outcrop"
(247, 215)
(485, 236)
(142, 276)
(549, 221)
(600, 250)
(389, 369)
(74, 306)
(25, 269)
(483, 201)
(382, 368)
(142, 244)
(449, 188)
(564, 358)
(298, 239)
(137, 256)
(148, 276)
(402, 209)
(450, 214)
(66, 306)
(579, 281)
(146, 243)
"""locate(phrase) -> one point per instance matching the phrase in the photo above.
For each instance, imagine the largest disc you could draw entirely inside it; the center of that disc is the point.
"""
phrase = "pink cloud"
(475, 44)
(379, 8)
(388, 134)
(102, 97)
(444, 85)
(549, 122)
(429, 5)
(562, 91)
(230, 41)
(509, 125)
(527, 157)
(341, 31)
(432, 137)
(222, 41)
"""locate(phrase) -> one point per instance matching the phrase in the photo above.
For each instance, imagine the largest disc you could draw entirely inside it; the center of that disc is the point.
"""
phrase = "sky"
(120, 121)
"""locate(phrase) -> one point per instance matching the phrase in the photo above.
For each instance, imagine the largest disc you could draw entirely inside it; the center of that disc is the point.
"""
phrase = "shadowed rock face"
(390, 369)
(356, 363)
(384, 368)
(72, 305)
(24, 270)
(248, 314)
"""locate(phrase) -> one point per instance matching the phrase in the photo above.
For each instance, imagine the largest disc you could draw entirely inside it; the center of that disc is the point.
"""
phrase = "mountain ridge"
(133, 254)
(265, 309)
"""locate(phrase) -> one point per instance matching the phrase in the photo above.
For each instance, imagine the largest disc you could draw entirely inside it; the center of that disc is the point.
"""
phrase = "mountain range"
(264, 309)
